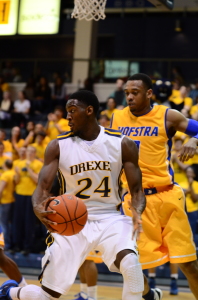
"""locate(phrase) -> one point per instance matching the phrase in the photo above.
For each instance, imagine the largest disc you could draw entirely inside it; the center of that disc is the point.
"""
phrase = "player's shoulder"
(65, 135)
(112, 132)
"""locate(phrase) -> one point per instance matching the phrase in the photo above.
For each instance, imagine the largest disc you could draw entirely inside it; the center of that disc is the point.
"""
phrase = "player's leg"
(120, 255)
(58, 270)
(152, 276)
(91, 277)
(10, 268)
(6, 211)
(190, 270)
(174, 277)
(128, 264)
(150, 293)
(88, 274)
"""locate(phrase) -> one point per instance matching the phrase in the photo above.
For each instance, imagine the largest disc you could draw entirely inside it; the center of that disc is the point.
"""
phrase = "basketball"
(71, 214)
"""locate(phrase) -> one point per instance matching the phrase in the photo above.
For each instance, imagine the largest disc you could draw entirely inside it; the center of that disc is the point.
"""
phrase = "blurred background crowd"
(29, 122)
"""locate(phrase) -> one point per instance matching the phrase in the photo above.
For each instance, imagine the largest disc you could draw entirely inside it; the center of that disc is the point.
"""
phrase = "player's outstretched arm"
(134, 179)
(177, 122)
(47, 174)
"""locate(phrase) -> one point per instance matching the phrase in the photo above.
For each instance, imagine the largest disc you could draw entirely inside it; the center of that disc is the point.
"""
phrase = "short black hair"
(145, 79)
(87, 98)
(195, 170)
(41, 133)
(59, 108)
(8, 163)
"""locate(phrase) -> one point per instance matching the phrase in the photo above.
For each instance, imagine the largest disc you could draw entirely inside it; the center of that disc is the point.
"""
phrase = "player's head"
(192, 171)
(82, 108)
(138, 90)
(8, 164)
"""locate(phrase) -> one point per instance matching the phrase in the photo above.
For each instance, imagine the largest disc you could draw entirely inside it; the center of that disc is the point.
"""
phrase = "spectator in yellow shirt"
(7, 202)
(111, 108)
(56, 123)
(16, 141)
(30, 139)
(40, 145)
(7, 144)
(181, 102)
(3, 157)
(26, 178)
(194, 110)
(22, 156)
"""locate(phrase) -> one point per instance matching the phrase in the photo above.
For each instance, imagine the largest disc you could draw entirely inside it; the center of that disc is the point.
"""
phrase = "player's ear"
(149, 93)
(90, 110)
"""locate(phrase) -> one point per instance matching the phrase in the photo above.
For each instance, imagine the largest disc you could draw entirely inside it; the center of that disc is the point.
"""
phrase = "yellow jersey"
(194, 109)
(52, 131)
(26, 185)
(150, 135)
(40, 150)
(108, 112)
(19, 144)
(8, 191)
(7, 148)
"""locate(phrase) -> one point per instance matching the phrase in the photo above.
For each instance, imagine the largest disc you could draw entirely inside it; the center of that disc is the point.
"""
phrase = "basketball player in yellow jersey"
(166, 231)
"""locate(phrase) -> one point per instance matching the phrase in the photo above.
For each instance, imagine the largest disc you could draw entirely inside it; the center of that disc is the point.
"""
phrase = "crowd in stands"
(24, 138)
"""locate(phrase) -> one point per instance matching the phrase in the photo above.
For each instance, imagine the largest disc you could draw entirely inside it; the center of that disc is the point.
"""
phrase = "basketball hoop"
(89, 10)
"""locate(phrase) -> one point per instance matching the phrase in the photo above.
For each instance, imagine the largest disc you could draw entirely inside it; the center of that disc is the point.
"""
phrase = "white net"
(89, 9)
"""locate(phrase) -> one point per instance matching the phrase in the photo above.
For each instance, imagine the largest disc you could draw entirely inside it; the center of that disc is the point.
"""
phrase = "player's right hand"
(188, 150)
(41, 213)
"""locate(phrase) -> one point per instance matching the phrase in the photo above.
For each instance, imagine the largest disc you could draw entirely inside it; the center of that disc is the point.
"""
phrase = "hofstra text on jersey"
(90, 166)
(139, 131)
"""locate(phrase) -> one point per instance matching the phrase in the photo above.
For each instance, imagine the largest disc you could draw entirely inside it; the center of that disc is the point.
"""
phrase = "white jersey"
(92, 172)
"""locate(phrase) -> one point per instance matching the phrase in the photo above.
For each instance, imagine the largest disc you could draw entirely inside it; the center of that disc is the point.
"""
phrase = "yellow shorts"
(1, 240)
(95, 256)
(167, 235)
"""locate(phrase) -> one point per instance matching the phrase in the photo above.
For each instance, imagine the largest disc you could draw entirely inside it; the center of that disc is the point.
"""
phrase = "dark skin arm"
(41, 196)
(177, 122)
(134, 179)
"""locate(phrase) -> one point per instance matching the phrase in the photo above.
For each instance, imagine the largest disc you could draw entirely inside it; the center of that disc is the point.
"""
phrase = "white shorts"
(66, 254)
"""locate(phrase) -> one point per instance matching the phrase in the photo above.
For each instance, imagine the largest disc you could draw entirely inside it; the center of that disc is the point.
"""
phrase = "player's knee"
(132, 273)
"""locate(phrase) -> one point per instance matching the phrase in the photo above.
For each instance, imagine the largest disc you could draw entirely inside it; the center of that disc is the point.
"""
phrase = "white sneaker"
(157, 294)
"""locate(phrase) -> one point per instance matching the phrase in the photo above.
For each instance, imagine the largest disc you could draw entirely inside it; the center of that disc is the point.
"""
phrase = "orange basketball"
(71, 214)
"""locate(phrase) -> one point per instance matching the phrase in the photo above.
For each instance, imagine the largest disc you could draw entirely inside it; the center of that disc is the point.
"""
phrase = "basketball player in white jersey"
(90, 159)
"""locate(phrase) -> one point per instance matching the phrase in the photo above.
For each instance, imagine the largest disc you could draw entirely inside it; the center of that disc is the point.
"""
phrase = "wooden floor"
(110, 292)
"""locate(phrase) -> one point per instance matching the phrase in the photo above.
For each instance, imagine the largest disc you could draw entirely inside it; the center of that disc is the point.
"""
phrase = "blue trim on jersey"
(65, 135)
(143, 114)
(119, 136)
(165, 118)
(114, 134)
(112, 130)
(171, 172)
(122, 199)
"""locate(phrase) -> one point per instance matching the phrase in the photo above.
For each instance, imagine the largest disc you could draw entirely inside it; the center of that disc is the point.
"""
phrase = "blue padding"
(192, 128)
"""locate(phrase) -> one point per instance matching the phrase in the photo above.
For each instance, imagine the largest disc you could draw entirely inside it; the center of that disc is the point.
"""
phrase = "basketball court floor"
(109, 290)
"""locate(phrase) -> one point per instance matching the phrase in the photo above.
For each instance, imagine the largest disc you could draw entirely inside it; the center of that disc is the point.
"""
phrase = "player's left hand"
(41, 213)
(188, 150)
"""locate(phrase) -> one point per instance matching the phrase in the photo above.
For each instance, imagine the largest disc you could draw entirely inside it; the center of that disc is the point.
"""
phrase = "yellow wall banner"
(39, 16)
(8, 16)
